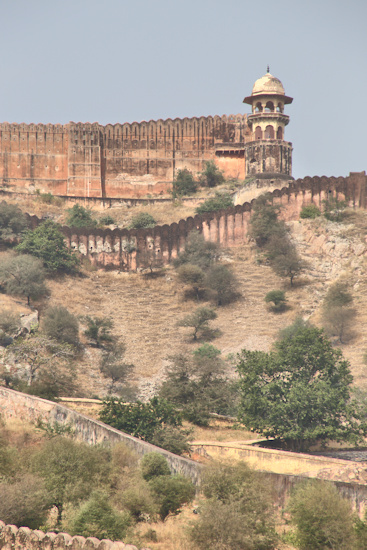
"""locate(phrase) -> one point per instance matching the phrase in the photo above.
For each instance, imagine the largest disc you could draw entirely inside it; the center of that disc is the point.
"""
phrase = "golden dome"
(268, 84)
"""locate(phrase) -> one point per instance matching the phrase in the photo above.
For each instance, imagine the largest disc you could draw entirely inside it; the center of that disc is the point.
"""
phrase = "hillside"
(145, 310)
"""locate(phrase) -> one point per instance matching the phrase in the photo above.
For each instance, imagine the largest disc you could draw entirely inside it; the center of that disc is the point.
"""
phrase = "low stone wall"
(25, 539)
(272, 460)
(30, 408)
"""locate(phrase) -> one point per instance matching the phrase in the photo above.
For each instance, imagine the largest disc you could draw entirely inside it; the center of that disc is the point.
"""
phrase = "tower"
(268, 156)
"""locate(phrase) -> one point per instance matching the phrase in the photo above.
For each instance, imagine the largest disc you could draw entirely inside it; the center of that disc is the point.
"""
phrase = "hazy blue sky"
(126, 60)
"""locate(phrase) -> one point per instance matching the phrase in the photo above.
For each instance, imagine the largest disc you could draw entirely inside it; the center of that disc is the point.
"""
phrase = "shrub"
(211, 176)
(184, 183)
(192, 275)
(238, 512)
(99, 330)
(153, 465)
(223, 283)
(198, 252)
(220, 201)
(107, 220)
(310, 211)
(97, 518)
(78, 216)
(142, 220)
(61, 325)
(24, 502)
(337, 315)
(323, 519)
(334, 209)
(277, 298)
(199, 321)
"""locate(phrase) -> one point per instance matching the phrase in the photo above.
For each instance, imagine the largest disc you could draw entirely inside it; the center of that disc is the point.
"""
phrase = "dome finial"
(268, 70)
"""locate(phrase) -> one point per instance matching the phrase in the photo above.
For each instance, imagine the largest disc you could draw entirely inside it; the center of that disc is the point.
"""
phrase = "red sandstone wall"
(121, 160)
(34, 156)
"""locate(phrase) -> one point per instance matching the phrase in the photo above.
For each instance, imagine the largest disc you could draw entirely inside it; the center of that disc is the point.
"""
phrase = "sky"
(130, 60)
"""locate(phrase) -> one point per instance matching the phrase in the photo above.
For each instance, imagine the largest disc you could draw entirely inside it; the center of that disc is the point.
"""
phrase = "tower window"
(258, 108)
(280, 133)
(269, 132)
(269, 107)
(258, 133)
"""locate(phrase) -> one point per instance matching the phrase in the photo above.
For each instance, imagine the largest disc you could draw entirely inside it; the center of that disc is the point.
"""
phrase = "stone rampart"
(93, 432)
(118, 160)
(127, 250)
(26, 539)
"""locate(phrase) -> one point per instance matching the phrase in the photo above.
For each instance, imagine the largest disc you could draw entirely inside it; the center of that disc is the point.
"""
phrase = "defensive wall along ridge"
(12, 538)
(128, 250)
(284, 469)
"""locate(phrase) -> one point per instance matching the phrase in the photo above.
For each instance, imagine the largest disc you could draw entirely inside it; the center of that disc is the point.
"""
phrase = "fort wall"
(26, 539)
(127, 250)
(119, 160)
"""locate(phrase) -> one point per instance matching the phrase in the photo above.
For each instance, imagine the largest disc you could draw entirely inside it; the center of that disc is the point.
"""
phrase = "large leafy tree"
(300, 392)
(12, 223)
(47, 243)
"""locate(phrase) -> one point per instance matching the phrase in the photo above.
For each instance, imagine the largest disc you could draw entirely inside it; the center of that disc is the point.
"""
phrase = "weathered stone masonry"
(128, 250)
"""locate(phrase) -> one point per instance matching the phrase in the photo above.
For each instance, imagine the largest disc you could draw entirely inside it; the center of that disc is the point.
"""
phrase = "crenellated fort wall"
(128, 250)
(120, 160)
(26, 539)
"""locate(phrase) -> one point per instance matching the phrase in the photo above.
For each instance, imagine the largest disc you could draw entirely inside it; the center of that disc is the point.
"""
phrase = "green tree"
(99, 330)
(198, 385)
(78, 216)
(139, 419)
(142, 220)
(264, 221)
(300, 392)
(171, 492)
(61, 325)
(23, 275)
(70, 470)
(223, 283)
(184, 183)
(237, 513)
(13, 223)
(323, 519)
(211, 176)
(337, 313)
(46, 242)
(199, 321)
(198, 252)
(284, 258)
(220, 201)
(277, 298)
(113, 367)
